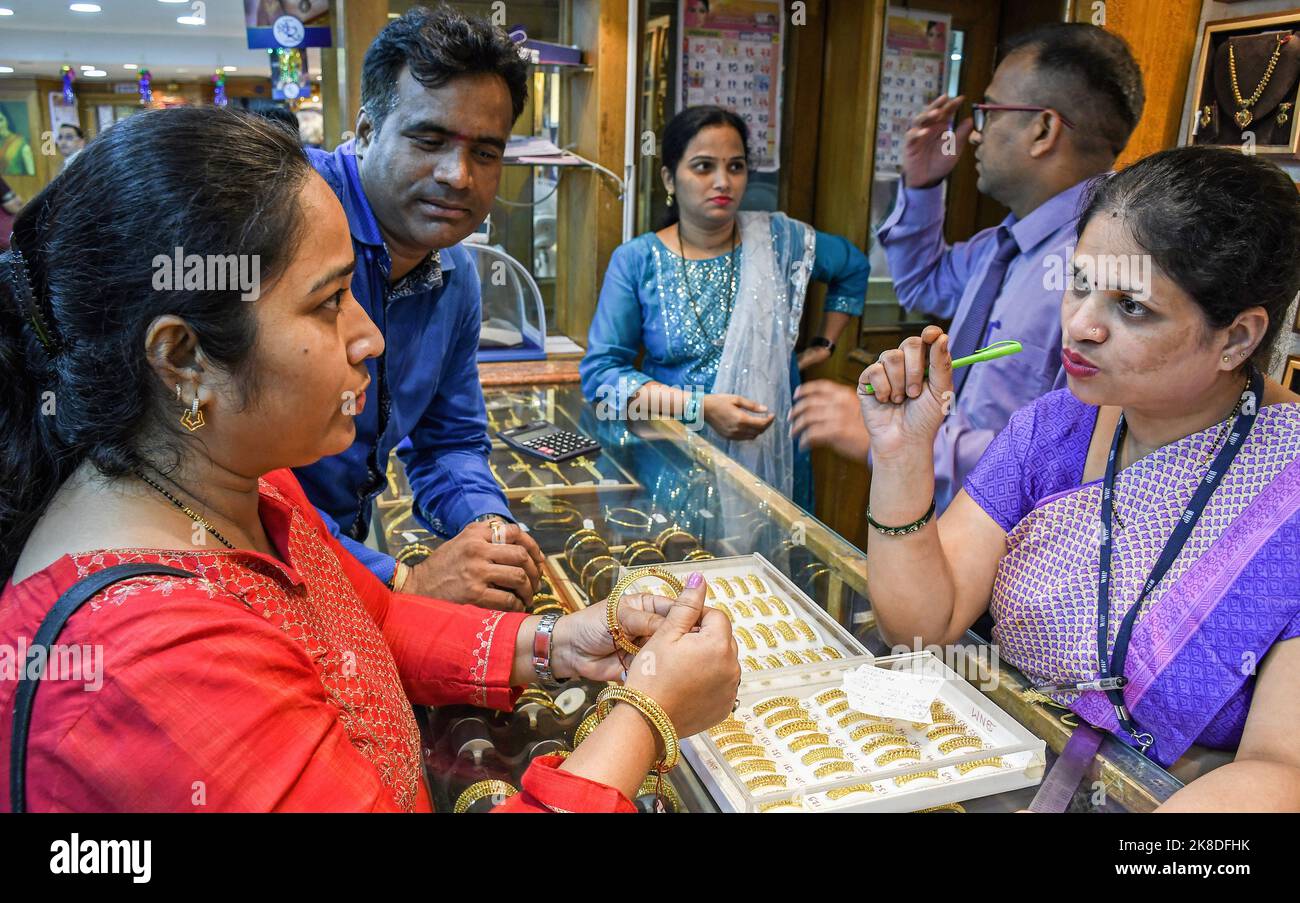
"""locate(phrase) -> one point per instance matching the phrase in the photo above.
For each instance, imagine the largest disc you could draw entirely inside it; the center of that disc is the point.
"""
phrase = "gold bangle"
(548, 606)
(652, 783)
(668, 533)
(855, 718)
(897, 755)
(744, 587)
(651, 711)
(726, 587)
(745, 637)
(808, 633)
(794, 727)
(788, 714)
(748, 751)
(817, 755)
(751, 663)
(792, 657)
(915, 776)
(638, 548)
(570, 515)
(481, 791)
(786, 631)
(743, 737)
(812, 657)
(592, 586)
(582, 575)
(945, 730)
(773, 661)
(866, 730)
(775, 702)
(584, 729)
(583, 537)
(699, 555)
(826, 696)
(779, 606)
(401, 573)
(788, 803)
(838, 708)
(841, 792)
(963, 742)
(611, 603)
(830, 768)
(832, 652)
(763, 608)
(883, 741)
(757, 582)
(764, 781)
(413, 550)
(549, 597)
(766, 633)
(751, 766)
(990, 762)
(609, 519)
(808, 740)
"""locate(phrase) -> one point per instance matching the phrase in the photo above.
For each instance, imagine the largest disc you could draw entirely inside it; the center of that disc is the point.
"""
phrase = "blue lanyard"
(1111, 665)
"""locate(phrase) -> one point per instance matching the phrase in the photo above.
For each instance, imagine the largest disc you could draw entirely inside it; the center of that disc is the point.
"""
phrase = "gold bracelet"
(775, 702)
(787, 714)
(812, 657)
(808, 740)
(817, 755)
(751, 663)
(779, 606)
(794, 727)
(839, 793)
(764, 781)
(758, 584)
(652, 712)
(699, 555)
(413, 550)
(584, 729)
(938, 709)
(610, 519)
(548, 606)
(792, 657)
(742, 737)
(915, 776)
(611, 603)
(808, 633)
(639, 548)
(549, 597)
(831, 651)
(826, 696)
(652, 783)
(945, 730)
(726, 726)
(570, 515)
(592, 586)
(855, 718)
(866, 730)
(786, 631)
(883, 741)
(401, 573)
(748, 751)
(788, 803)
(763, 608)
(742, 609)
(830, 768)
(766, 633)
(991, 762)
(582, 575)
(745, 637)
(773, 661)
(668, 533)
(838, 708)
(964, 742)
(726, 587)
(583, 540)
(481, 791)
(897, 755)
(750, 766)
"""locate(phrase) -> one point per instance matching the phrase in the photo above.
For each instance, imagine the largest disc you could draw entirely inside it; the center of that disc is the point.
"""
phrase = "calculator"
(543, 439)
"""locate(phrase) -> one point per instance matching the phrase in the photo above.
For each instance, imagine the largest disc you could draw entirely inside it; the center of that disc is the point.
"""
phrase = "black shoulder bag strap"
(76, 596)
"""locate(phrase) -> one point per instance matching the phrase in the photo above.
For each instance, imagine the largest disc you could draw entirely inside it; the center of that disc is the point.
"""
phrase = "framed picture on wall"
(1247, 84)
(1291, 376)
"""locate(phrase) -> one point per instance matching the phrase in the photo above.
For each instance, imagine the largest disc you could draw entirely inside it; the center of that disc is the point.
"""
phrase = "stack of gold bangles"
(652, 712)
(481, 791)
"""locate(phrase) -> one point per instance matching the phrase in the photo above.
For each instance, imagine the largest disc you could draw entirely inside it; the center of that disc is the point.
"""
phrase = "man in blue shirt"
(440, 93)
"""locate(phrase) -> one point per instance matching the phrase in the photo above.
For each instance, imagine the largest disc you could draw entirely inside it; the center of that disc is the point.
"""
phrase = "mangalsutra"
(189, 512)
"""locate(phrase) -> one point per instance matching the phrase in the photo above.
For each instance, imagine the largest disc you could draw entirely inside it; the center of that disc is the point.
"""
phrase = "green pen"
(996, 350)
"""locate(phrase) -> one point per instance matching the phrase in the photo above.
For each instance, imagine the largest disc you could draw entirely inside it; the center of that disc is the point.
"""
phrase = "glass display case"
(655, 493)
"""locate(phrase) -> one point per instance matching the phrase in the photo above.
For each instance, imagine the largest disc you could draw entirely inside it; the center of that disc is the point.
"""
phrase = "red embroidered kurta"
(262, 684)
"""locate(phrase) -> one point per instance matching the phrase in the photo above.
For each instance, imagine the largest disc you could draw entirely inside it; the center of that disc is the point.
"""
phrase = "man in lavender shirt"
(1076, 94)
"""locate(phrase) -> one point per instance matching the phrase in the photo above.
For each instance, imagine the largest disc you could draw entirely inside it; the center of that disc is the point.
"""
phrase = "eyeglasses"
(979, 112)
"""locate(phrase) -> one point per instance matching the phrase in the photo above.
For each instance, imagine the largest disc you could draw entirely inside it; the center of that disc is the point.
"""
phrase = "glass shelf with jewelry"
(678, 502)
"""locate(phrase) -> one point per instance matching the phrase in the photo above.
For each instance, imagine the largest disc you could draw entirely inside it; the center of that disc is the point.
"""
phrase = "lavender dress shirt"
(934, 278)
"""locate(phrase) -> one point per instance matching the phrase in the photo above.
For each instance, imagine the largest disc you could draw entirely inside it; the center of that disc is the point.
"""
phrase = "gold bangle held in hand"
(652, 712)
(481, 791)
(611, 603)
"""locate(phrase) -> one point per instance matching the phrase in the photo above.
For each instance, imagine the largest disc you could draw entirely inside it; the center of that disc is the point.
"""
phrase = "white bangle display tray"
(1022, 754)
(775, 641)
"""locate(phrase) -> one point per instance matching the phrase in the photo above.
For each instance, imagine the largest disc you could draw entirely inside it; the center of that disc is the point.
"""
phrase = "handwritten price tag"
(891, 694)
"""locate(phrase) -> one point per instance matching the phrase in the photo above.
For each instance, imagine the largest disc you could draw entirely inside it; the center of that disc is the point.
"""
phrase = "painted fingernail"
(695, 580)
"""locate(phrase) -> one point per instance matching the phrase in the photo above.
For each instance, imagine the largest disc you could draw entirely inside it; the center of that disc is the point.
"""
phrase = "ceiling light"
(84, 8)
(190, 20)
(5, 70)
(6, 11)
(130, 66)
(95, 73)
(229, 68)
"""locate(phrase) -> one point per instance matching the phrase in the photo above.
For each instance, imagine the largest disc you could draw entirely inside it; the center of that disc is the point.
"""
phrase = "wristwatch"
(822, 342)
(542, 649)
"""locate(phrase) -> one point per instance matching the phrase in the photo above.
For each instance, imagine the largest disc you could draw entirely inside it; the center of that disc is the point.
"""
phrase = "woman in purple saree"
(1135, 538)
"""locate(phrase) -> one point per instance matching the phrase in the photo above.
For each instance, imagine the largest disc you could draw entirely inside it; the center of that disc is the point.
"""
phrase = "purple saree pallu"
(1232, 593)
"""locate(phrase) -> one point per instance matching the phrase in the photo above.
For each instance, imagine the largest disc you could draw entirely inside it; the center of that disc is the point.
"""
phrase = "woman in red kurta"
(280, 676)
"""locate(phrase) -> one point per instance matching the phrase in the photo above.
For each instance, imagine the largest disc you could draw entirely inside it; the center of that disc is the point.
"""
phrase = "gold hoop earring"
(193, 418)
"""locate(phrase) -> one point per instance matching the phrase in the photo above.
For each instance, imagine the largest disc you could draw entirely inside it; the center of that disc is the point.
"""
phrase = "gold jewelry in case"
(742, 609)
(854, 718)
(841, 767)
(990, 762)
(763, 608)
(652, 712)
(956, 743)
(945, 730)
(652, 784)
(839, 793)
(808, 633)
(774, 662)
(898, 755)
(838, 708)
(787, 803)
(788, 714)
(726, 587)
(699, 555)
(746, 637)
(726, 726)
(795, 727)
(742, 737)
(915, 776)
(589, 466)
(740, 582)
(764, 781)
(885, 740)
(638, 524)
(779, 606)
(605, 561)
(786, 631)
(812, 657)
(751, 663)
(1243, 115)
(755, 765)
(792, 657)
(808, 740)
(747, 751)
(866, 730)
(826, 696)
(817, 755)
(668, 533)
(831, 652)
(766, 633)
(775, 702)
(757, 582)
(480, 791)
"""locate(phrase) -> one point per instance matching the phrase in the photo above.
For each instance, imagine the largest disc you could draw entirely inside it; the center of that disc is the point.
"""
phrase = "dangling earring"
(193, 419)
(670, 199)
(178, 393)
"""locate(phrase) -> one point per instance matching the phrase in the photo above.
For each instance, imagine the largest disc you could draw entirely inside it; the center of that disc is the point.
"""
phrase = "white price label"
(891, 694)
